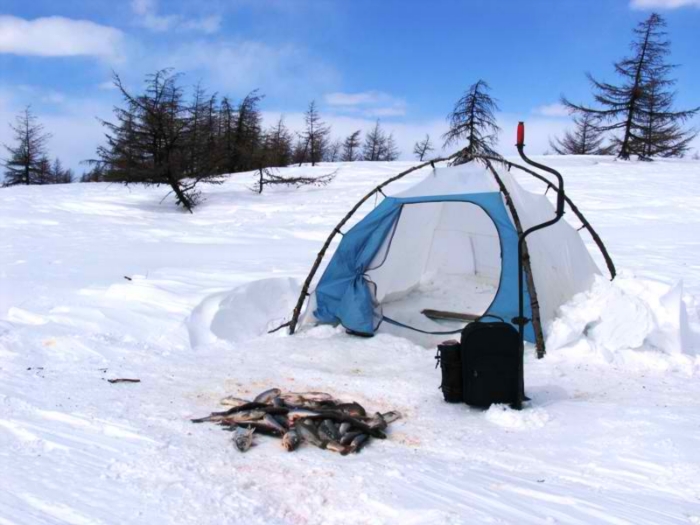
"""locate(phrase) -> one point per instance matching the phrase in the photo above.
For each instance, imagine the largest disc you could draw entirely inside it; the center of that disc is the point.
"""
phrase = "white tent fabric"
(458, 242)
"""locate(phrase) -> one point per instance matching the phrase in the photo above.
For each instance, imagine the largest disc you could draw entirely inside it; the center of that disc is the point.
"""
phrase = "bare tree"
(315, 136)
(270, 177)
(25, 164)
(59, 175)
(391, 150)
(334, 150)
(585, 139)
(422, 148)
(351, 147)
(628, 108)
(473, 120)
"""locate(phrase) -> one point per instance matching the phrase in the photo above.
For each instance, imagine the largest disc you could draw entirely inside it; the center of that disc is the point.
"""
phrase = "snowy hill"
(100, 281)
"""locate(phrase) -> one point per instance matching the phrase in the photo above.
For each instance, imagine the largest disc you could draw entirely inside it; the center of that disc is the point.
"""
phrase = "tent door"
(442, 256)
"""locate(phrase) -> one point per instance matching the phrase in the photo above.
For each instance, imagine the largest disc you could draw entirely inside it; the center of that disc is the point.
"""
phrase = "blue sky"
(405, 62)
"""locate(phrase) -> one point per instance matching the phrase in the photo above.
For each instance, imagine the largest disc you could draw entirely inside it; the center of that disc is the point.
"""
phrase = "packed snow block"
(244, 313)
(625, 314)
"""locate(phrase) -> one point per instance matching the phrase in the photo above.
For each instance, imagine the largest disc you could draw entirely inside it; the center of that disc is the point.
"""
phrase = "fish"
(344, 428)
(377, 421)
(301, 413)
(267, 396)
(306, 397)
(355, 422)
(233, 401)
(291, 440)
(352, 409)
(327, 429)
(337, 447)
(250, 415)
(358, 443)
(273, 423)
(347, 438)
(392, 416)
(243, 438)
(217, 416)
(277, 402)
(282, 420)
(308, 433)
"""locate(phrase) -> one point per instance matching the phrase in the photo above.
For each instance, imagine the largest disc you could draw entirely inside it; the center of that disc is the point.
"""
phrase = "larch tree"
(422, 148)
(473, 120)
(391, 150)
(149, 141)
(278, 145)
(635, 105)
(25, 163)
(585, 139)
(662, 133)
(315, 136)
(351, 147)
(335, 148)
(375, 143)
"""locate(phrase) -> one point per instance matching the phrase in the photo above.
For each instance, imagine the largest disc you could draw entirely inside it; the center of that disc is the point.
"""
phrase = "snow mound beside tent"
(246, 312)
(626, 314)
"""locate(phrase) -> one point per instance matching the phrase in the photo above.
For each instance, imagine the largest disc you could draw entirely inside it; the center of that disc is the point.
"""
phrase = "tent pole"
(296, 313)
(579, 215)
(525, 258)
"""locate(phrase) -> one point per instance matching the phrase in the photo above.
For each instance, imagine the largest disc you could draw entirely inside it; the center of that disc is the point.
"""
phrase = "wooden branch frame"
(534, 303)
(579, 215)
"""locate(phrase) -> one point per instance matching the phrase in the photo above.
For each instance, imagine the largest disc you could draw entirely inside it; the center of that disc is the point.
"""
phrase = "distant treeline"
(164, 136)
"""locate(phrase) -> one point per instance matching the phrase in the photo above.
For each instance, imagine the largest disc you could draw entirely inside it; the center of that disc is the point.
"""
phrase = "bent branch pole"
(587, 225)
(534, 303)
(292, 323)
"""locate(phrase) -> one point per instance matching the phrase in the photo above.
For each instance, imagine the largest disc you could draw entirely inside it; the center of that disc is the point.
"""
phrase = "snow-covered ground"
(612, 434)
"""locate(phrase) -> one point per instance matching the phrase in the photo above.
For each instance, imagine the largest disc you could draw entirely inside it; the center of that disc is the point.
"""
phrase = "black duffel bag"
(491, 364)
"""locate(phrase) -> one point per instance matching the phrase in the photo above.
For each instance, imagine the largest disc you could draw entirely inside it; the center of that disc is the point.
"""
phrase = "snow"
(611, 434)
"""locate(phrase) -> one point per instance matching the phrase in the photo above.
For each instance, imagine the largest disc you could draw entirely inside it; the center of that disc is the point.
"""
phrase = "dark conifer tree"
(351, 147)
(148, 143)
(628, 108)
(662, 134)
(278, 145)
(247, 134)
(422, 148)
(25, 162)
(473, 120)
(585, 139)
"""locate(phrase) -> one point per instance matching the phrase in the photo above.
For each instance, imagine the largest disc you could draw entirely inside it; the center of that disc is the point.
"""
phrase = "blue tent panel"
(344, 296)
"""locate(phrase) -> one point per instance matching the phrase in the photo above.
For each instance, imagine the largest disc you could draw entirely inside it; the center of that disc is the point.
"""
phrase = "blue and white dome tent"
(450, 243)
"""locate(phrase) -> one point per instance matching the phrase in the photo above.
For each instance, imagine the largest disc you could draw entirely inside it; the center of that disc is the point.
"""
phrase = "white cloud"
(147, 16)
(367, 103)
(241, 66)
(663, 4)
(552, 110)
(57, 36)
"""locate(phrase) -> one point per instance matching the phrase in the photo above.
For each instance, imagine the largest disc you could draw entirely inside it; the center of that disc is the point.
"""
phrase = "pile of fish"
(315, 418)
